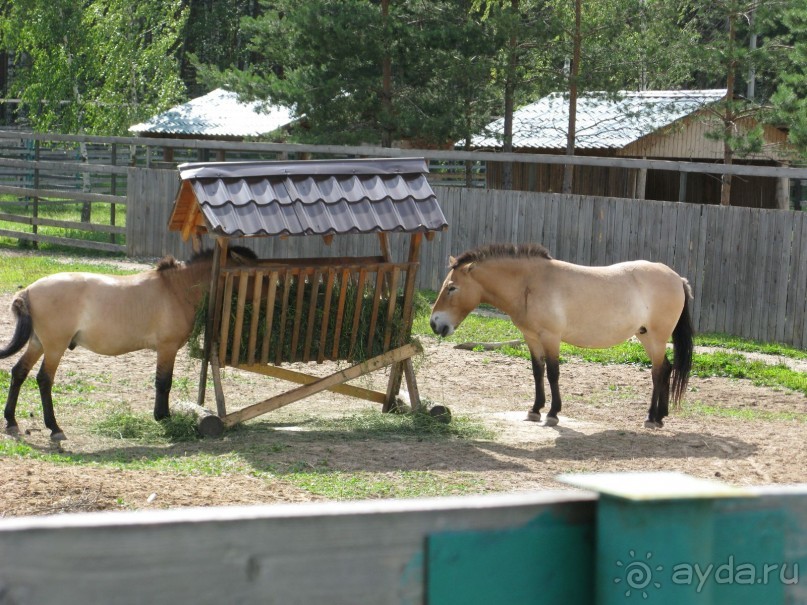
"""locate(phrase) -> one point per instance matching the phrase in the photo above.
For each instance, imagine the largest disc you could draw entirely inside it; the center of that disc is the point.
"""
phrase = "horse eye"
(452, 288)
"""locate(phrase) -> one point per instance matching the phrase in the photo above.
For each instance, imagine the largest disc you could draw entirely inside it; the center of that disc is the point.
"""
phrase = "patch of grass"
(19, 271)
(729, 364)
(398, 484)
(126, 425)
(63, 210)
(698, 408)
(370, 424)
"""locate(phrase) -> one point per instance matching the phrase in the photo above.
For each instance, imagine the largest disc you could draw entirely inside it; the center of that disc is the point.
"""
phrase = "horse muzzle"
(440, 326)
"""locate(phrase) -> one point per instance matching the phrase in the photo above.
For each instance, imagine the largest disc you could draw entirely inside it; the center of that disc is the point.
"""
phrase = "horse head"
(459, 295)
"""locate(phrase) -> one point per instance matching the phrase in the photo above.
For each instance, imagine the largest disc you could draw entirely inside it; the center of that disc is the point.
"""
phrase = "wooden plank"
(783, 240)
(66, 194)
(243, 282)
(391, 306)
(340, 313)
(312, 314)
(271, 294)
(45, 222)
(354, 332)
(369, 551)
(288, 276)
(326, 314)
(301, 378)
(257, 293)
(377, 295)
(323, 384)
(741, 270)
(64, 241)
(298, 314)
(226, 310)
(798, 286)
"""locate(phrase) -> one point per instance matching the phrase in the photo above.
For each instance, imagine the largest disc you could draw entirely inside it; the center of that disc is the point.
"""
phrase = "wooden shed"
(265, 313)
(653, 124)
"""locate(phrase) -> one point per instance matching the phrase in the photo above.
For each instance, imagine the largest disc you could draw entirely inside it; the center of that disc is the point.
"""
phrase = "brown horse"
(109, 315)
(594, 307)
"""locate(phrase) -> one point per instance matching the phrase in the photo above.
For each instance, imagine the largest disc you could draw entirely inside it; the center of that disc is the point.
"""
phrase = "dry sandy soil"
(601, 430)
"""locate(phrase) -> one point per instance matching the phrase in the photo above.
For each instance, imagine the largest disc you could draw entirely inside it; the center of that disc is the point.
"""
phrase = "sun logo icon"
(638, 575)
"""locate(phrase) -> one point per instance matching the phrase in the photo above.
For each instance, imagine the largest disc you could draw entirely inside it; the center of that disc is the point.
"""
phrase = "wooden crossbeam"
(391, 357)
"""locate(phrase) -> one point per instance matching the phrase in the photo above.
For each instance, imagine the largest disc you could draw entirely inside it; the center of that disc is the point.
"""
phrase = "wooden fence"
(674, 540)
(747, 267)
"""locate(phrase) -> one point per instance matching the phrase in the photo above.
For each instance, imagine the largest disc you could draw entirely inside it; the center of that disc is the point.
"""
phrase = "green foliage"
(95, 66)
(287, 317)
(130, 426)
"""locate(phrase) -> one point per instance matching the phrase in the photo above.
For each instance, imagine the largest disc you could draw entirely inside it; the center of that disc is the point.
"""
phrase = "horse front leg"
(540, 396)
(19, 373)
(163, 382)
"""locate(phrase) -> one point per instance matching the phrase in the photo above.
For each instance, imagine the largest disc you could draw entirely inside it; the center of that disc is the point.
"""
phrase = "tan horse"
(109, 315)
(594, 307)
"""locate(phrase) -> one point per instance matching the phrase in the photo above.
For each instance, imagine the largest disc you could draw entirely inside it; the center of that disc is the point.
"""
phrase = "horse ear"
(451, 261)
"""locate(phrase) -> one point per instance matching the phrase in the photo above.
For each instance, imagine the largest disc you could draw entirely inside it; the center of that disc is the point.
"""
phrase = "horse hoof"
(652, 424)
(534, 416)
(14, 431)
(551, 421)
(57, 437)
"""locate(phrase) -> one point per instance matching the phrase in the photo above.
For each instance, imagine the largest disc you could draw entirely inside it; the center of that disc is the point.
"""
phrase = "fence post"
(663, 538)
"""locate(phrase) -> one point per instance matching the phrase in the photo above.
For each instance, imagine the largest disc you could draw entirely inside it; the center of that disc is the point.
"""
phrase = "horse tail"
(682, 350)
(24, 328)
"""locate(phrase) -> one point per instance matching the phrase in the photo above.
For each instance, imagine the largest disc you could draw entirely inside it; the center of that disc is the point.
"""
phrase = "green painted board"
(546, 562)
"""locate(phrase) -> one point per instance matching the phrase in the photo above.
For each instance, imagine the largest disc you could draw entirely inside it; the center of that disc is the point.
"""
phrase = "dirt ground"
(601, 429)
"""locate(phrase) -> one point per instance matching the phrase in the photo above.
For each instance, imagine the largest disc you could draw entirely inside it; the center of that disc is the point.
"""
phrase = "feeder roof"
(314, 197)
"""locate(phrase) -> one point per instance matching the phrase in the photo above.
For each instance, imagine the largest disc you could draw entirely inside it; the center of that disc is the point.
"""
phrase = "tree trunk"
(728, 117)
(509, 103)
(568, 169)
(386, 83)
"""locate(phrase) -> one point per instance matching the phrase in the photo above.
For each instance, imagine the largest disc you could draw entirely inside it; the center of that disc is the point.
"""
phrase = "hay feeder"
(265, 313)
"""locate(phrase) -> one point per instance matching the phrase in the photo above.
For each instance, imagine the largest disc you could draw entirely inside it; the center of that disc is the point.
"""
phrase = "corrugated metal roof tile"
(603, 122)
(318, 197)
(218, 113)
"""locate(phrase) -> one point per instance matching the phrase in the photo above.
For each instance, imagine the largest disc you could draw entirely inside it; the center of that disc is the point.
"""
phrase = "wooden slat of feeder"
(281, 329)
(300, 378)
(340, 313)
(256, 316)
(312, 308)
(243, 282)
(323, 261)
(391, 305)
(326, 314)
(379, 291)
(225, 316)
(270, 315)
(322, 384)
(357, 312)
(298, 314)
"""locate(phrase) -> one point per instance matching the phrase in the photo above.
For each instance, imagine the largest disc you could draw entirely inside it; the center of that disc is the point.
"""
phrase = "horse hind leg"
(19, 373)
(660, 400)
(540, 395)
(44, 379)
(553, 375)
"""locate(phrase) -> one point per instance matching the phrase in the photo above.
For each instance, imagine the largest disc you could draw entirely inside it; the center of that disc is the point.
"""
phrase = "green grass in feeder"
(353, 349)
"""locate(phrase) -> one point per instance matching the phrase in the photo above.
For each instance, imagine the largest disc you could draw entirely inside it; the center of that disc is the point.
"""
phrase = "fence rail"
(748, 267)
(542, 547)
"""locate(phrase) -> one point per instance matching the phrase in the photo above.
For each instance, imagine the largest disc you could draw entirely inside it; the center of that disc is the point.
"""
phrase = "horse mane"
(169, 262)
(491, 251)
